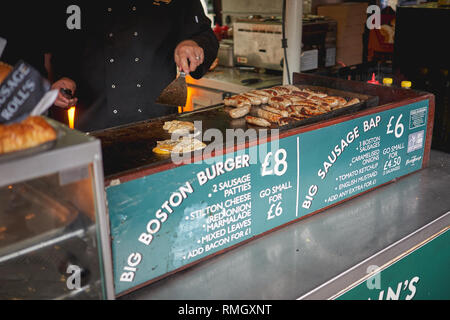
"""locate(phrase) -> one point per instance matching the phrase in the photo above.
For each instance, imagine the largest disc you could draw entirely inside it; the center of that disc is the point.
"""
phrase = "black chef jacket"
(123, 56)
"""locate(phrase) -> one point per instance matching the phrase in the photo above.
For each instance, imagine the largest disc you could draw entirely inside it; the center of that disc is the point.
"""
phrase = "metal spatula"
(175, 94)
(3, 43)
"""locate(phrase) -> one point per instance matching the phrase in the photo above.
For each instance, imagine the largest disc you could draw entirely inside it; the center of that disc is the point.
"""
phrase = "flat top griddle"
(129, 148)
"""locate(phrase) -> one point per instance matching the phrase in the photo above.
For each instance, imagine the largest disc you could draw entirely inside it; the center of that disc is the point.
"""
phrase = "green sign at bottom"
(421, 275)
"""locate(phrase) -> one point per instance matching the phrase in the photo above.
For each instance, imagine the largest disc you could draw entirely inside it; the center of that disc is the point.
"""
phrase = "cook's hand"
(188, 56)
(61, 100)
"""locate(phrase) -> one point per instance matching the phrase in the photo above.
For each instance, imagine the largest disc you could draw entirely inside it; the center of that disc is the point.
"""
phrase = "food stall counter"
(327, 255)
(168, 216)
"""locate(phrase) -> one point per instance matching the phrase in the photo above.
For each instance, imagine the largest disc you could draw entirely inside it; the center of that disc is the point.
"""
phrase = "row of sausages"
(283, 104)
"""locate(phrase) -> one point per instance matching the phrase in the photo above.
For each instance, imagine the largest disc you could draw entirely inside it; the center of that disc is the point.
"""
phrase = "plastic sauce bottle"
(388, 82)
(406, 84)
(373, 80)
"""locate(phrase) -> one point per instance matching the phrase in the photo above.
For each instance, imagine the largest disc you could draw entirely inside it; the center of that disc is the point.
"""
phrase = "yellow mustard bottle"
(406, 84)
(388, 82)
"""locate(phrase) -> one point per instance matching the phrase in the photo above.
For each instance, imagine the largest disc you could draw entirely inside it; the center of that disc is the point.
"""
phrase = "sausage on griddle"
(291, 87)
(315, 93)
(239, 112)
(257, 121)
(281, 90)
(237, 101)
(301, 94)
(269, 116)
(332, 101)
(280, 111)
(311, 111)
(286, 120)
(305, 103)
(264, 96)
(254, 99)
(279, 102)
(295, 99)
(272, 93)
(352, 102)
(342, 101)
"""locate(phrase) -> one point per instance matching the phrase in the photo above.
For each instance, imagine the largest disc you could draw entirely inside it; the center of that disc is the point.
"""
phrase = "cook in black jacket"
(126, 53)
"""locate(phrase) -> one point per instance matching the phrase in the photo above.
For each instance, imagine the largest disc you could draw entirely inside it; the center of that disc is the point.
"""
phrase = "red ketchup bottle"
(373, 80)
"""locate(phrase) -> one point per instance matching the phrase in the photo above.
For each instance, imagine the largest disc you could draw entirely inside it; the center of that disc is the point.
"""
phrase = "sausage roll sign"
(22, 93)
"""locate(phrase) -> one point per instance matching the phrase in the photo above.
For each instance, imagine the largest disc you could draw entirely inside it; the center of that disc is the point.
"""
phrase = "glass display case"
(54, 234)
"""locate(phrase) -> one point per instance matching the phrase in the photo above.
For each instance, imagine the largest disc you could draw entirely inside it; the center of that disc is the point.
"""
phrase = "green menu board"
(171, 219)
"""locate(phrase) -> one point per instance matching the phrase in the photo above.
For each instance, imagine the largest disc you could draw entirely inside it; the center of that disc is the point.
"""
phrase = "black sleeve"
(196, 26)
(66, 62)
